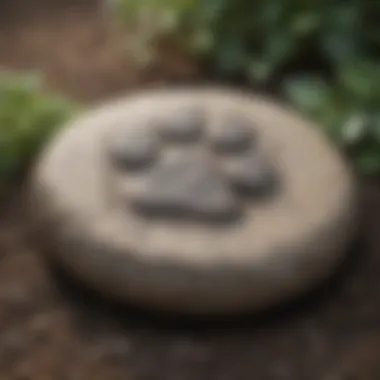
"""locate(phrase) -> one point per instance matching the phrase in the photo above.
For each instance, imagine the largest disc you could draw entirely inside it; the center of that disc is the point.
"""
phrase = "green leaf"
(305, 23)
(340, 31)
(368, 162)
(281, 45)
(202, 41)
(309, 94)
(232, 55)
(375, 126)
(259, 70)
(271, 14)
(361, 80)
(28, 117)
(355, 129)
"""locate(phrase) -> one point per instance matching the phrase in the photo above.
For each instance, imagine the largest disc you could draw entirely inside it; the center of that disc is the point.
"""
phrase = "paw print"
(191, 168)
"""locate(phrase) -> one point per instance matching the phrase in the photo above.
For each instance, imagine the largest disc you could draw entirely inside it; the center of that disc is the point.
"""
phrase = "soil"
(52, 328)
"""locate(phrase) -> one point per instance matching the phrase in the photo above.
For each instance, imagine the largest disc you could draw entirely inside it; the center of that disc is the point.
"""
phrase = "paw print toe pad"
(233, 134)
(134, 148)
(251, 174)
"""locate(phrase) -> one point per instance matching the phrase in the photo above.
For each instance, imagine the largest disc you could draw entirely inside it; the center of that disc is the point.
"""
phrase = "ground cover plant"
(29, 114)
(322, 56)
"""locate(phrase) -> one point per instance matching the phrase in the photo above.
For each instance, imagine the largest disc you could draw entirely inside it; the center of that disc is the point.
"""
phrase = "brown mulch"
(51, 329)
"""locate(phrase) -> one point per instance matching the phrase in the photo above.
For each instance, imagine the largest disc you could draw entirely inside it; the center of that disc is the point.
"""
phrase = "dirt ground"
(52, 329)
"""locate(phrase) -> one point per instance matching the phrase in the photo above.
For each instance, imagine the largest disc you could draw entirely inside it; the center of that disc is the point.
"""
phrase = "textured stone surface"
(184, 186)
(183, 125)
(185, 165)
(277, 248)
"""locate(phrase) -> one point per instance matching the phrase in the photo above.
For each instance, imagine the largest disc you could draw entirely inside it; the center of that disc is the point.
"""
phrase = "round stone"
(275, 250)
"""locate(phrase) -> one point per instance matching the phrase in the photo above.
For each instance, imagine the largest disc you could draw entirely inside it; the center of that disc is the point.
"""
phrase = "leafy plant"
(28, 117)
(323, 55)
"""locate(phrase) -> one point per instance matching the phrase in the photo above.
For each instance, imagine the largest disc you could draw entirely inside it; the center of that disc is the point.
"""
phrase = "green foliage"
(28, 117)
(323, 54)
(348, 107)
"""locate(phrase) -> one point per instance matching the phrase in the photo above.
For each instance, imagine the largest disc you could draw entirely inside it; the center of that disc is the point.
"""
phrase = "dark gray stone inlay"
(134, 148)
(186, 185)
(233, 134)
(252, 174)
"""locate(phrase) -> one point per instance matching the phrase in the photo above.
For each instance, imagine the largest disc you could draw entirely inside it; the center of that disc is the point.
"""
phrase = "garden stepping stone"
(204, 200)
